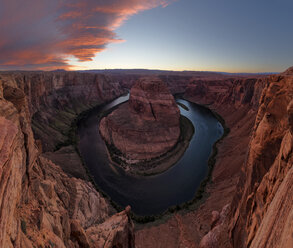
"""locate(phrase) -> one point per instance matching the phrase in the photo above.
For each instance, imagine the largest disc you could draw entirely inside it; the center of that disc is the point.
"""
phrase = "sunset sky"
(215, 35)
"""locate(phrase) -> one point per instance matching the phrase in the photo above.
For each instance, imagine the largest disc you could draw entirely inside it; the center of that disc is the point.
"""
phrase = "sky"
(201, 35)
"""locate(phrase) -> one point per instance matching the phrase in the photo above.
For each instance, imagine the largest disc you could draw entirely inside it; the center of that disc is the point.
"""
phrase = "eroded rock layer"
(41, 206)
(262, 208)
(146, 127)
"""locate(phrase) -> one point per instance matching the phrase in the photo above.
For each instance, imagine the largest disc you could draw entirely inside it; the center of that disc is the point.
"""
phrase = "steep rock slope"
(54, 101)
(40, 206)
(250, 201)
(263, 205)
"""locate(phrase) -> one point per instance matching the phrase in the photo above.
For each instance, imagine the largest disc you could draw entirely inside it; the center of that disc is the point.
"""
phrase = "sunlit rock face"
(263, 203)
(148, 125)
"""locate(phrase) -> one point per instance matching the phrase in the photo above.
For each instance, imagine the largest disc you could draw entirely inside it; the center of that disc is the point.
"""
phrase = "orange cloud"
(43, 34)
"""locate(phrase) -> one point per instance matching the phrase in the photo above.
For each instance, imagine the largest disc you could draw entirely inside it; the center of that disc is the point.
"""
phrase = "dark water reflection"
(154, 194)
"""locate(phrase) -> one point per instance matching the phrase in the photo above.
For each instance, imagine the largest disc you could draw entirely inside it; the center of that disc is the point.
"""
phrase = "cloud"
(39, 34)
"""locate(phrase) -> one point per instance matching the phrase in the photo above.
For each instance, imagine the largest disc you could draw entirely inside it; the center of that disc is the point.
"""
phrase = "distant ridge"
(158, 72)
(170, 72)
(248, 73)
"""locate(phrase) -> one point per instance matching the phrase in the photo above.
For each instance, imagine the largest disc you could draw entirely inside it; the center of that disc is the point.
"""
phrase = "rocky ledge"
(147, 126)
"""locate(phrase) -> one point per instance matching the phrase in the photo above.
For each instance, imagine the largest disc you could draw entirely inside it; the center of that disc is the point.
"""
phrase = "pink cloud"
(38, 34)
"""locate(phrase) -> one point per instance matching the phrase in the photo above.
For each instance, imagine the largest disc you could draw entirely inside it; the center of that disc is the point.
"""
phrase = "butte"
(144, 128)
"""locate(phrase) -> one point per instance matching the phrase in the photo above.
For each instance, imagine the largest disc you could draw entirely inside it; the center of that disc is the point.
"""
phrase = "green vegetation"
(52, 245)
(183, 106)
(23, 226)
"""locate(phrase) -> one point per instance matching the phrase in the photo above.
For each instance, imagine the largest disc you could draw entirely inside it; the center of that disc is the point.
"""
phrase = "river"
(152, 194)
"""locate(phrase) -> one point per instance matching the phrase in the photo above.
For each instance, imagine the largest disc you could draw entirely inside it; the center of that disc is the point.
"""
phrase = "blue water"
(153, 194)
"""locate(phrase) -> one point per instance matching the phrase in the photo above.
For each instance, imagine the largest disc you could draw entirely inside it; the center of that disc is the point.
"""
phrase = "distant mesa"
(145, 127)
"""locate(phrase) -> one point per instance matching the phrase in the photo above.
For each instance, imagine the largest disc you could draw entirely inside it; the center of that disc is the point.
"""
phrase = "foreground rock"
(146, 127)
(116, 232)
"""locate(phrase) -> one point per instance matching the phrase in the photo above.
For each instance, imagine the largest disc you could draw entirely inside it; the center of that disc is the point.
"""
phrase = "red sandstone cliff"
(54, 101)
(40, 206)
(263, 204)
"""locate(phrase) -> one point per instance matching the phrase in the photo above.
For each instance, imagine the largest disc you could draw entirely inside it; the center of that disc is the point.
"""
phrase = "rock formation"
(146, 127)
(215, 236)
(54, 102)
(263, 203)
(40, 206)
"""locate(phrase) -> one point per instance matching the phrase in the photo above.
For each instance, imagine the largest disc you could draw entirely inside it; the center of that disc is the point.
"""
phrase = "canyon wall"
(40, 205)
(55, 99)
(263, 203)
(54, 102)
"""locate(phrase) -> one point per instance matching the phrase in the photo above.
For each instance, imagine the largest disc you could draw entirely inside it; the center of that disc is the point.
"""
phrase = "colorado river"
(153, 194)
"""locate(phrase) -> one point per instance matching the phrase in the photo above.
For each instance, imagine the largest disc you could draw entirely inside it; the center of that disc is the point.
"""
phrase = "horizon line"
(146, 69)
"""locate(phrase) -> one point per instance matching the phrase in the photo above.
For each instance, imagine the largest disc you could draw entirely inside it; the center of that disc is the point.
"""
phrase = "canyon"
(47, 198)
